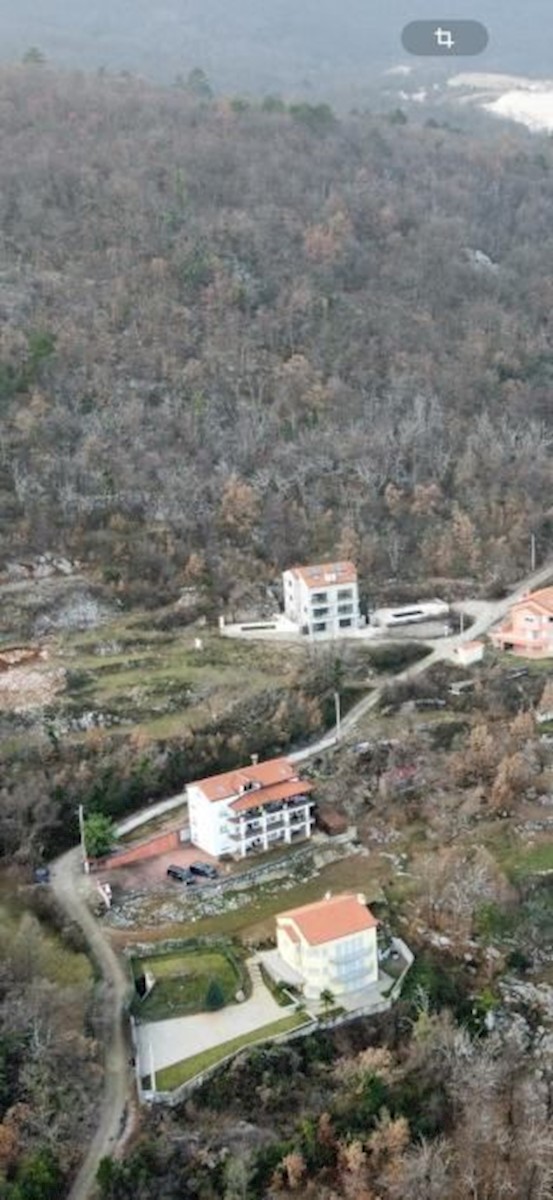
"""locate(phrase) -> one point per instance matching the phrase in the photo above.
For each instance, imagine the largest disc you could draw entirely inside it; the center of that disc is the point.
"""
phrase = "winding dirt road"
(71, 887)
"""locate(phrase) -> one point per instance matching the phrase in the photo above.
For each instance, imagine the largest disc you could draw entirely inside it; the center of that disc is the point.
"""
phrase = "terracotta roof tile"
(324, 573)
(331, 918)
(270, 795)
(292, 934)
(230, 783)
(542, 599)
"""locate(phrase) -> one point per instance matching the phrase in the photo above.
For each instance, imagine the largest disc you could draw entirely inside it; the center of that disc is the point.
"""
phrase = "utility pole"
(152, 1068)
(532, 552)
(462, 615)
(86, 864)
(338, 716)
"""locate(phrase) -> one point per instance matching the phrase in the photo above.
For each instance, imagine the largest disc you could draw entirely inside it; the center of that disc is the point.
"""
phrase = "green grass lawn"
(182, 980)
(356, 873)
(172, 1077)
(524, 861)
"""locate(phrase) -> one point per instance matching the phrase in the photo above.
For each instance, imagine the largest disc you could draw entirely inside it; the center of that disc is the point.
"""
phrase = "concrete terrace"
(161, 1043)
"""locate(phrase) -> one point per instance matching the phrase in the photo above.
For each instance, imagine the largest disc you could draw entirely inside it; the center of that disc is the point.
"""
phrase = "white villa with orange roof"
(250, 809)
(528, 630)
(322, 600)
(330, 945)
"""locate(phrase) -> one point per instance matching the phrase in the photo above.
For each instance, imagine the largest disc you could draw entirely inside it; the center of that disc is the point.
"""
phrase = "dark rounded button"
(440, 38)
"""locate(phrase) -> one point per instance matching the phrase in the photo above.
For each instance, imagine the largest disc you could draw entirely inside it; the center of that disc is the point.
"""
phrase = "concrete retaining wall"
(186, 1089)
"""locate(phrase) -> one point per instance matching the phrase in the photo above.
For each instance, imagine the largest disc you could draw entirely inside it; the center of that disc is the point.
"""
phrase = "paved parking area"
(165, 1042)
(153, 871)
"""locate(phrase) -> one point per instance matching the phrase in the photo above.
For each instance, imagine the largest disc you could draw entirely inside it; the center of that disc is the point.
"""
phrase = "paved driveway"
(167, 1042)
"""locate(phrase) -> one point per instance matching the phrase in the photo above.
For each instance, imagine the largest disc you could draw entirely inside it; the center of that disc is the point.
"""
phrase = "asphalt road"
(70, 887)
(486, 614)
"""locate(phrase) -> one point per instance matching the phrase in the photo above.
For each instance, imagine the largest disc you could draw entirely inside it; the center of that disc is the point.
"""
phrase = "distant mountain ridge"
(323, 46)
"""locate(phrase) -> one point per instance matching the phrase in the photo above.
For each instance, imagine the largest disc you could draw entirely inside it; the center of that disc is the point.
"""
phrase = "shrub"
(394, 656)
(99, 832)
(214, 997)
(519, 961)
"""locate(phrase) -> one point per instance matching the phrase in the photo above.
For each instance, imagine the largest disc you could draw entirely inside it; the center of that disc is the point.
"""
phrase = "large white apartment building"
(322, 600)
(250, 809)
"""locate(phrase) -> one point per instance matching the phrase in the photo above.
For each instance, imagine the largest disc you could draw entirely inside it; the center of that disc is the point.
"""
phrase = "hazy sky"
(265, 44)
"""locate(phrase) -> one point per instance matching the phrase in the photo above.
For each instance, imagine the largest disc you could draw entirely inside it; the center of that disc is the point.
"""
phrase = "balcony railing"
(274, 832)
(256, 814)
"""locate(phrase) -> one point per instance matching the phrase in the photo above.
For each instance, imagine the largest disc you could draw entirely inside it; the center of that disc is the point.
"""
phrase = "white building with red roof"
(250, 809)
(322, 600)
(329, 945)
(528, 629)
(469, 653)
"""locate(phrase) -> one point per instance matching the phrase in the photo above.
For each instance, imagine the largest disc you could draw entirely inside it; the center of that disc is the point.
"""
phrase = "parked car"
(41, 875)
(183, 874)
(205, 870)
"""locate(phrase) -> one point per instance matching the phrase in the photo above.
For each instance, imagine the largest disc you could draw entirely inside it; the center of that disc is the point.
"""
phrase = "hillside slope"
(233, 338)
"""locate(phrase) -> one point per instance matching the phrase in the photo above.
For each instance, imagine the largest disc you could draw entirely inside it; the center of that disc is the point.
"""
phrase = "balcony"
(276, 809)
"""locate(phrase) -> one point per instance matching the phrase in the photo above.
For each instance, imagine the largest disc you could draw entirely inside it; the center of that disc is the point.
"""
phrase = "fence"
(312, 1024)
(179, 1094)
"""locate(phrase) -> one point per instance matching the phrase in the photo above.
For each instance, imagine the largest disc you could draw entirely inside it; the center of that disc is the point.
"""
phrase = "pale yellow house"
(329, 945)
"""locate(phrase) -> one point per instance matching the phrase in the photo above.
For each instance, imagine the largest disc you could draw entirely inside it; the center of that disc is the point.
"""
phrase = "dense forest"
(419, 1106)
(236, 336)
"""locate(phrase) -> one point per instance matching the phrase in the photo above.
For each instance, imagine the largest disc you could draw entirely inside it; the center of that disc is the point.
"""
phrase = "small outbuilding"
(469, 653)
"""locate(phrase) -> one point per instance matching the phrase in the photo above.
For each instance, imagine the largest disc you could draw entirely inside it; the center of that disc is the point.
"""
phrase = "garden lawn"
(520, 863)
(182, 981)
(172, 1077)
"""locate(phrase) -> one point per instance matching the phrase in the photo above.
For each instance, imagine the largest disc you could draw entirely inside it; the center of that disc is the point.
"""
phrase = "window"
(319, 598)
(319, 627)
(345, 622)
(320, 612)
(345, 594)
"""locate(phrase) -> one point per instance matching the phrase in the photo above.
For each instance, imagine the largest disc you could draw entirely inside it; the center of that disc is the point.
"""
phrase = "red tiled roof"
(324, 573)
(543, 600)
(292, 934)
(270, 795)
(230, 783)
(331, 918)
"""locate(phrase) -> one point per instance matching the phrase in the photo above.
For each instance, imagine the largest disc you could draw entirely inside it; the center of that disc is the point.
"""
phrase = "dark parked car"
(183, 874)
(206, 870)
